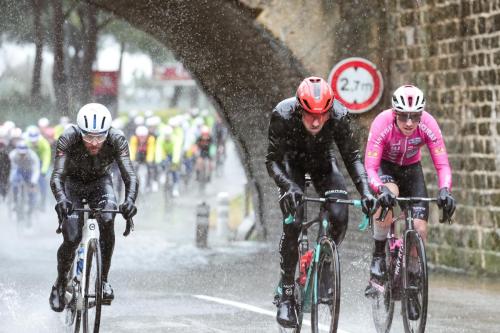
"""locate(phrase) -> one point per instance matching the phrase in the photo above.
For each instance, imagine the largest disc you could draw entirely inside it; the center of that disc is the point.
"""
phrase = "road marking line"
(255, 309)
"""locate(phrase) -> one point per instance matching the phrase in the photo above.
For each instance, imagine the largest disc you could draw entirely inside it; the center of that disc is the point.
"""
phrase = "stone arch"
(239, 65)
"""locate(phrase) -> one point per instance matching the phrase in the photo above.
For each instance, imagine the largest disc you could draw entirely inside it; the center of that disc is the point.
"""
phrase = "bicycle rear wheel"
(383, 303)
(415, 283)
(93, 289)
(326, 289)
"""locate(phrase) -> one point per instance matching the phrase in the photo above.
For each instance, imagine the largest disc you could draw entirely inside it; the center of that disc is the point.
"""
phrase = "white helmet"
(43, 122)
(167, 131)
(141, 131)
(118, 123)
(9, 125)
(16, 132)
(198, 121)
(64, 121)
(153, 121)
(174, 121)
(4, 132)
(32, 133)
(139, 120)
(408, 98)
(94, 118)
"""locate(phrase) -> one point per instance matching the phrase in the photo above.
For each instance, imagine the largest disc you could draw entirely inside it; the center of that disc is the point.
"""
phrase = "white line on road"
(255, 309)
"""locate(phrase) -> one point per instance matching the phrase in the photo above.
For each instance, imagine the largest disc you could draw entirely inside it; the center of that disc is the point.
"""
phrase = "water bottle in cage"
(304, 243)
(304, 263)
(79, 265)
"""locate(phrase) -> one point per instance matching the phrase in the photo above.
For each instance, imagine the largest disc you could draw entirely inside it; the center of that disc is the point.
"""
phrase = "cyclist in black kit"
(84, 156)
(301, 134)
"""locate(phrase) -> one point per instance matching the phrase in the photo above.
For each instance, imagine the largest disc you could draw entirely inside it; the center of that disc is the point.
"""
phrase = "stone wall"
(451, 49)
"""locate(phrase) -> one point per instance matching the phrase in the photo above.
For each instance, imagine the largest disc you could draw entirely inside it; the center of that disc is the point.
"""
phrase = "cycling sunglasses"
(405, 116)
(94, 138)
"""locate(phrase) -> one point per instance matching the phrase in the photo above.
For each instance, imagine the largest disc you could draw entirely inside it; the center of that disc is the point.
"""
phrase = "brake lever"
(383, 214)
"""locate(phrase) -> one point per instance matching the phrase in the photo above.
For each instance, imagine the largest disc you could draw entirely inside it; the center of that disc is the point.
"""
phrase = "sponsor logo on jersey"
(415, 141)
(439, 150)
(411, 153)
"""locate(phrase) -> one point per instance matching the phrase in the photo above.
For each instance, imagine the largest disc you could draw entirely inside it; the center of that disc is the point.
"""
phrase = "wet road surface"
(163, 283)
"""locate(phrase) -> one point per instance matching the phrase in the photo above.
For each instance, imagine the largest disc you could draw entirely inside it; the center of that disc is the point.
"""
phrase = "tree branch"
(70, 9)
(105, 23)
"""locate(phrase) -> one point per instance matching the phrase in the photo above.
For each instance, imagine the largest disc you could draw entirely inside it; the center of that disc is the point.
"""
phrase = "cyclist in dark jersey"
(84, 156)
(4, 167)
(203, 144)
(301, 135)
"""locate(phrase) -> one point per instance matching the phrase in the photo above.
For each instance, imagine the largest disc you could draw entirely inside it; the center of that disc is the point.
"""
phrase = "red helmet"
(315, 95)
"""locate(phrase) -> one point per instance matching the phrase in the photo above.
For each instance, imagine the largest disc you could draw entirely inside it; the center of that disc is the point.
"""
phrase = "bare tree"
(58, 74)
(38, 37)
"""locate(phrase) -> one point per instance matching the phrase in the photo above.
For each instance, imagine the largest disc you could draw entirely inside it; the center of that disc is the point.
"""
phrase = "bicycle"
(318, 283)
(84, 289)
(203, 174)
(401, 283)
(22, 205)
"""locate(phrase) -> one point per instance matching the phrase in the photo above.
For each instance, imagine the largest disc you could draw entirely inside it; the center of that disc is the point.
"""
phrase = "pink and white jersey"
(386, 142)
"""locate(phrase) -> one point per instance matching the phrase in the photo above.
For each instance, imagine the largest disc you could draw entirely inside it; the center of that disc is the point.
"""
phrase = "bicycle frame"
(90, 231)
(395, 242)
(407, 244)
(324, 226)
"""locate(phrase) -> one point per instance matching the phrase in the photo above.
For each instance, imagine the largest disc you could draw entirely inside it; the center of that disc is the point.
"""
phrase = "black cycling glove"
(128, 209)
(446, 202)
(368, 203)
(291, 199)
(386, 198)
(63, 209)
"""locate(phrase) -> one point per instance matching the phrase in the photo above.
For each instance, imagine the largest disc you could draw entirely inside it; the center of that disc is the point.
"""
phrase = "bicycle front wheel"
(93, 288)
(383, 302)
(415, 284)
(326, 289)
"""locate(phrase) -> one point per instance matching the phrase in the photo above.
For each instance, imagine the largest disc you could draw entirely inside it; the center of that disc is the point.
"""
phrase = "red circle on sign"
(371, 69)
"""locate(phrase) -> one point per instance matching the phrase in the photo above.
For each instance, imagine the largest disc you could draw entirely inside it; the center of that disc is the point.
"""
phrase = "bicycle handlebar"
(130, 222)
(367, 220)
(413, 200)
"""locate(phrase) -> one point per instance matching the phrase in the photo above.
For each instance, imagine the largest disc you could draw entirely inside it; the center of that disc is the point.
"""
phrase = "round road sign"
(357, 83)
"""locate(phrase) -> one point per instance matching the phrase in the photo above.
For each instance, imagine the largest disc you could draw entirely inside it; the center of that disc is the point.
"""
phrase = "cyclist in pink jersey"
(392, 162)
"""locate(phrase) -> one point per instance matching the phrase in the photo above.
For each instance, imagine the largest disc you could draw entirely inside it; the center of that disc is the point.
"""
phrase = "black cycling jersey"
(204, 146)
(293, 152)
(289, 140)
(4, 171)
(73, 161)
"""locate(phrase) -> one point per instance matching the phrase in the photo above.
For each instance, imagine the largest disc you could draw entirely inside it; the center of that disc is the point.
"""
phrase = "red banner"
(172, 72)
(106, 83)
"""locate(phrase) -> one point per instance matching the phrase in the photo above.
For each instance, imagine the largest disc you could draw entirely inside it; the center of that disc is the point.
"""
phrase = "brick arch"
(239, 65)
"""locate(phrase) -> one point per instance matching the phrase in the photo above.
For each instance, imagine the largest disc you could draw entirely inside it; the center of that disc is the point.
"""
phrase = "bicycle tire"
(73, 316)
(413, 240)
(93, 261)
(326, 288)
(383, 304)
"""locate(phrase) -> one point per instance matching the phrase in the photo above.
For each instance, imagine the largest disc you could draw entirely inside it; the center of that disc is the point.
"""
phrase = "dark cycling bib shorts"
(411, 182)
